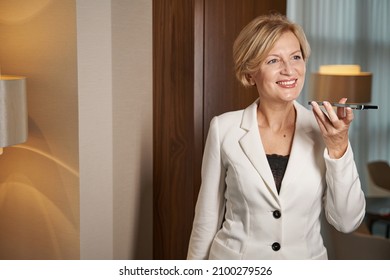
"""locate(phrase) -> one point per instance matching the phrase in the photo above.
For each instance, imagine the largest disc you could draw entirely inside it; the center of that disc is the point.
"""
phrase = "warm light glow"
(339, 69)
(1, 150)
(10, 77)
(345, 70)
(19, 11)
(49, 157)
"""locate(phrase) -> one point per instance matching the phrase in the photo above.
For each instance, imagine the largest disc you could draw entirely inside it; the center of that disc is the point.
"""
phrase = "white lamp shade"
(13, 110)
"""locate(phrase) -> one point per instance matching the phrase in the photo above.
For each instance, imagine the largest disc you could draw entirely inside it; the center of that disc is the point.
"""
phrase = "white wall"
(133, 128)
(95, 128)
(115, 107)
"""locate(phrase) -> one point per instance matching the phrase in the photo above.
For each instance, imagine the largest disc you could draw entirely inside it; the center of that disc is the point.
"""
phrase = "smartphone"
(350, 105)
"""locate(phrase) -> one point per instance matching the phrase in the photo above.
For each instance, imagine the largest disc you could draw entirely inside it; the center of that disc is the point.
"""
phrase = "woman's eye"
(272, 61)
(297, 57)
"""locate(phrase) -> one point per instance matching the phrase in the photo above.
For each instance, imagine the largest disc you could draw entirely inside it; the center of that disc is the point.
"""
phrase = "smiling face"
(281, 74)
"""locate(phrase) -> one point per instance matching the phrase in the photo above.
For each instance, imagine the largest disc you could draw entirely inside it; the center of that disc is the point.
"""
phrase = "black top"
(278, 166)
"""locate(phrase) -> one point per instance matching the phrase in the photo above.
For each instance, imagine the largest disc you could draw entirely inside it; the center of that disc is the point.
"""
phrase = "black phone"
(355, 106)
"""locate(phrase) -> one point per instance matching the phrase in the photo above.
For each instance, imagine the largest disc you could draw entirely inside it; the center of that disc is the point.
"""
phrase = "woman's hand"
(334, 127)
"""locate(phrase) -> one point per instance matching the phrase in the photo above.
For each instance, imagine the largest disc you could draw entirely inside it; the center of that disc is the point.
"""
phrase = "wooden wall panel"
(223, 22)
(193, 81)
(174, 137)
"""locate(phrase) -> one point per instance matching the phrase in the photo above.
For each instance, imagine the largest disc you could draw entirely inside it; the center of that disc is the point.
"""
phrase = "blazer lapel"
(301, 148)
(253, 148)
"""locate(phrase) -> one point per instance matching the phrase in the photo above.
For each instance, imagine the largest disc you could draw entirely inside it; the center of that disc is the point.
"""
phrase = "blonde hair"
(256, 40)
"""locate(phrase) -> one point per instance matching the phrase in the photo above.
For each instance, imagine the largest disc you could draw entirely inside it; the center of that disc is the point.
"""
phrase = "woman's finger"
(340, 110)
(333, 117)
(321, 117)
(320, 123)
(348, 116)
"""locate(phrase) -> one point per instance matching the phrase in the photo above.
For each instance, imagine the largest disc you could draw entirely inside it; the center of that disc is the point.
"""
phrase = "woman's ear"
(250, 79)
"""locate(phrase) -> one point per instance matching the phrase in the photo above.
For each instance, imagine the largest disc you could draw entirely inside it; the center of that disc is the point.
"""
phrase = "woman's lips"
(287, 83)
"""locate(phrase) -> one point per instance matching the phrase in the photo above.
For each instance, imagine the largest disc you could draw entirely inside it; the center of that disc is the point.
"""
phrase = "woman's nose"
(287, 68)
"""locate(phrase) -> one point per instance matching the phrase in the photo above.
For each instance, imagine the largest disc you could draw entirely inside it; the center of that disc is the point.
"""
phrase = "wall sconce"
(13, 111)
(334, 82)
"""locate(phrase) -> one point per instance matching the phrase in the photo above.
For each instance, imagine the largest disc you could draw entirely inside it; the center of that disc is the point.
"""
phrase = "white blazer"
(239, 213)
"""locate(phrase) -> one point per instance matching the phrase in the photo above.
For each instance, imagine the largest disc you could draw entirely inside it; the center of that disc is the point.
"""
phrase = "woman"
(269, 170)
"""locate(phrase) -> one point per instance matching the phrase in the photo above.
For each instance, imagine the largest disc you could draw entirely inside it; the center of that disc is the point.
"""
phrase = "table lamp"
(13, 111)
(333, 82)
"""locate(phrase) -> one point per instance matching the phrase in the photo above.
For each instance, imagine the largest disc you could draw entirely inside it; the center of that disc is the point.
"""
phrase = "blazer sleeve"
(344, 199)
(210, 206)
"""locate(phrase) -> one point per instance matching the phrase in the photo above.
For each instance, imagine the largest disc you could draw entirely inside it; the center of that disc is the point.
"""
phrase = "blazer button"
(275, 246)
(276, 214)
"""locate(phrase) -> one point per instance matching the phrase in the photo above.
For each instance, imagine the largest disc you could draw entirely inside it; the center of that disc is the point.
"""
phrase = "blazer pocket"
(221, 252)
